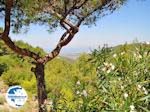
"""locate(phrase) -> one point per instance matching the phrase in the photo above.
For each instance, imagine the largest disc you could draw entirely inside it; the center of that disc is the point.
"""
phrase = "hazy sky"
(130, 22)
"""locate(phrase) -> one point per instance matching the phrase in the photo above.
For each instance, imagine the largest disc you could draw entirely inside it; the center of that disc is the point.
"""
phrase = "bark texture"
(41, 88)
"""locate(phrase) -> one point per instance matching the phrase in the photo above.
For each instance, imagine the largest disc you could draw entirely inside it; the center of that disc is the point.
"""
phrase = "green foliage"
(3, 67)
(25, 12)
(16, 70)
(109, 79)
(3, 49)
(58, 73)
(33, 49)
(123, 79)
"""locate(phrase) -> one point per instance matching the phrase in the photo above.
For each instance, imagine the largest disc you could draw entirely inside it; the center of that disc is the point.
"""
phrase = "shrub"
(123, 79)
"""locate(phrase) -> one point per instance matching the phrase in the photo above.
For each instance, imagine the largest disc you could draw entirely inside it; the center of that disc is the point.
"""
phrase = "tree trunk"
(41, 89)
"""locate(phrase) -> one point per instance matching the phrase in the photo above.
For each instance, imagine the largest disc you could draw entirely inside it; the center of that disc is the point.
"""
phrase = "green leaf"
(144, 98)
(145, 110)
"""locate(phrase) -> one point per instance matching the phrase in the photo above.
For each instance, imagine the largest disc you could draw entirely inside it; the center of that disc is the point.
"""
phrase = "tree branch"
(104, 2)
(75, 7)
(60, 17)
(79, 6)
(70, 32)
(9, 4)
(62, 42)
(5, 35)
(18, 50)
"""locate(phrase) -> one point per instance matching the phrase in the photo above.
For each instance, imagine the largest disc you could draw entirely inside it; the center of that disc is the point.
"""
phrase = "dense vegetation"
(109, 79)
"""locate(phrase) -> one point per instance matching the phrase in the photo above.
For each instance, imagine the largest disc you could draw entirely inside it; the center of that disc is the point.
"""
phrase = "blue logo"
(16, 96)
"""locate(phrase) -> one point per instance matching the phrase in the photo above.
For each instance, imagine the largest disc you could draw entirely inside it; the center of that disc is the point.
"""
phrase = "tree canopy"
(54, 12)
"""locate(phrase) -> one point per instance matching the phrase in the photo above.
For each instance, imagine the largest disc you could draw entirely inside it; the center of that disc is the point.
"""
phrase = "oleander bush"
(124, 78)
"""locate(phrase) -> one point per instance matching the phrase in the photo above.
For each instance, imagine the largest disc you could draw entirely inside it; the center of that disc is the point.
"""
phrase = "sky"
(129, 23)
